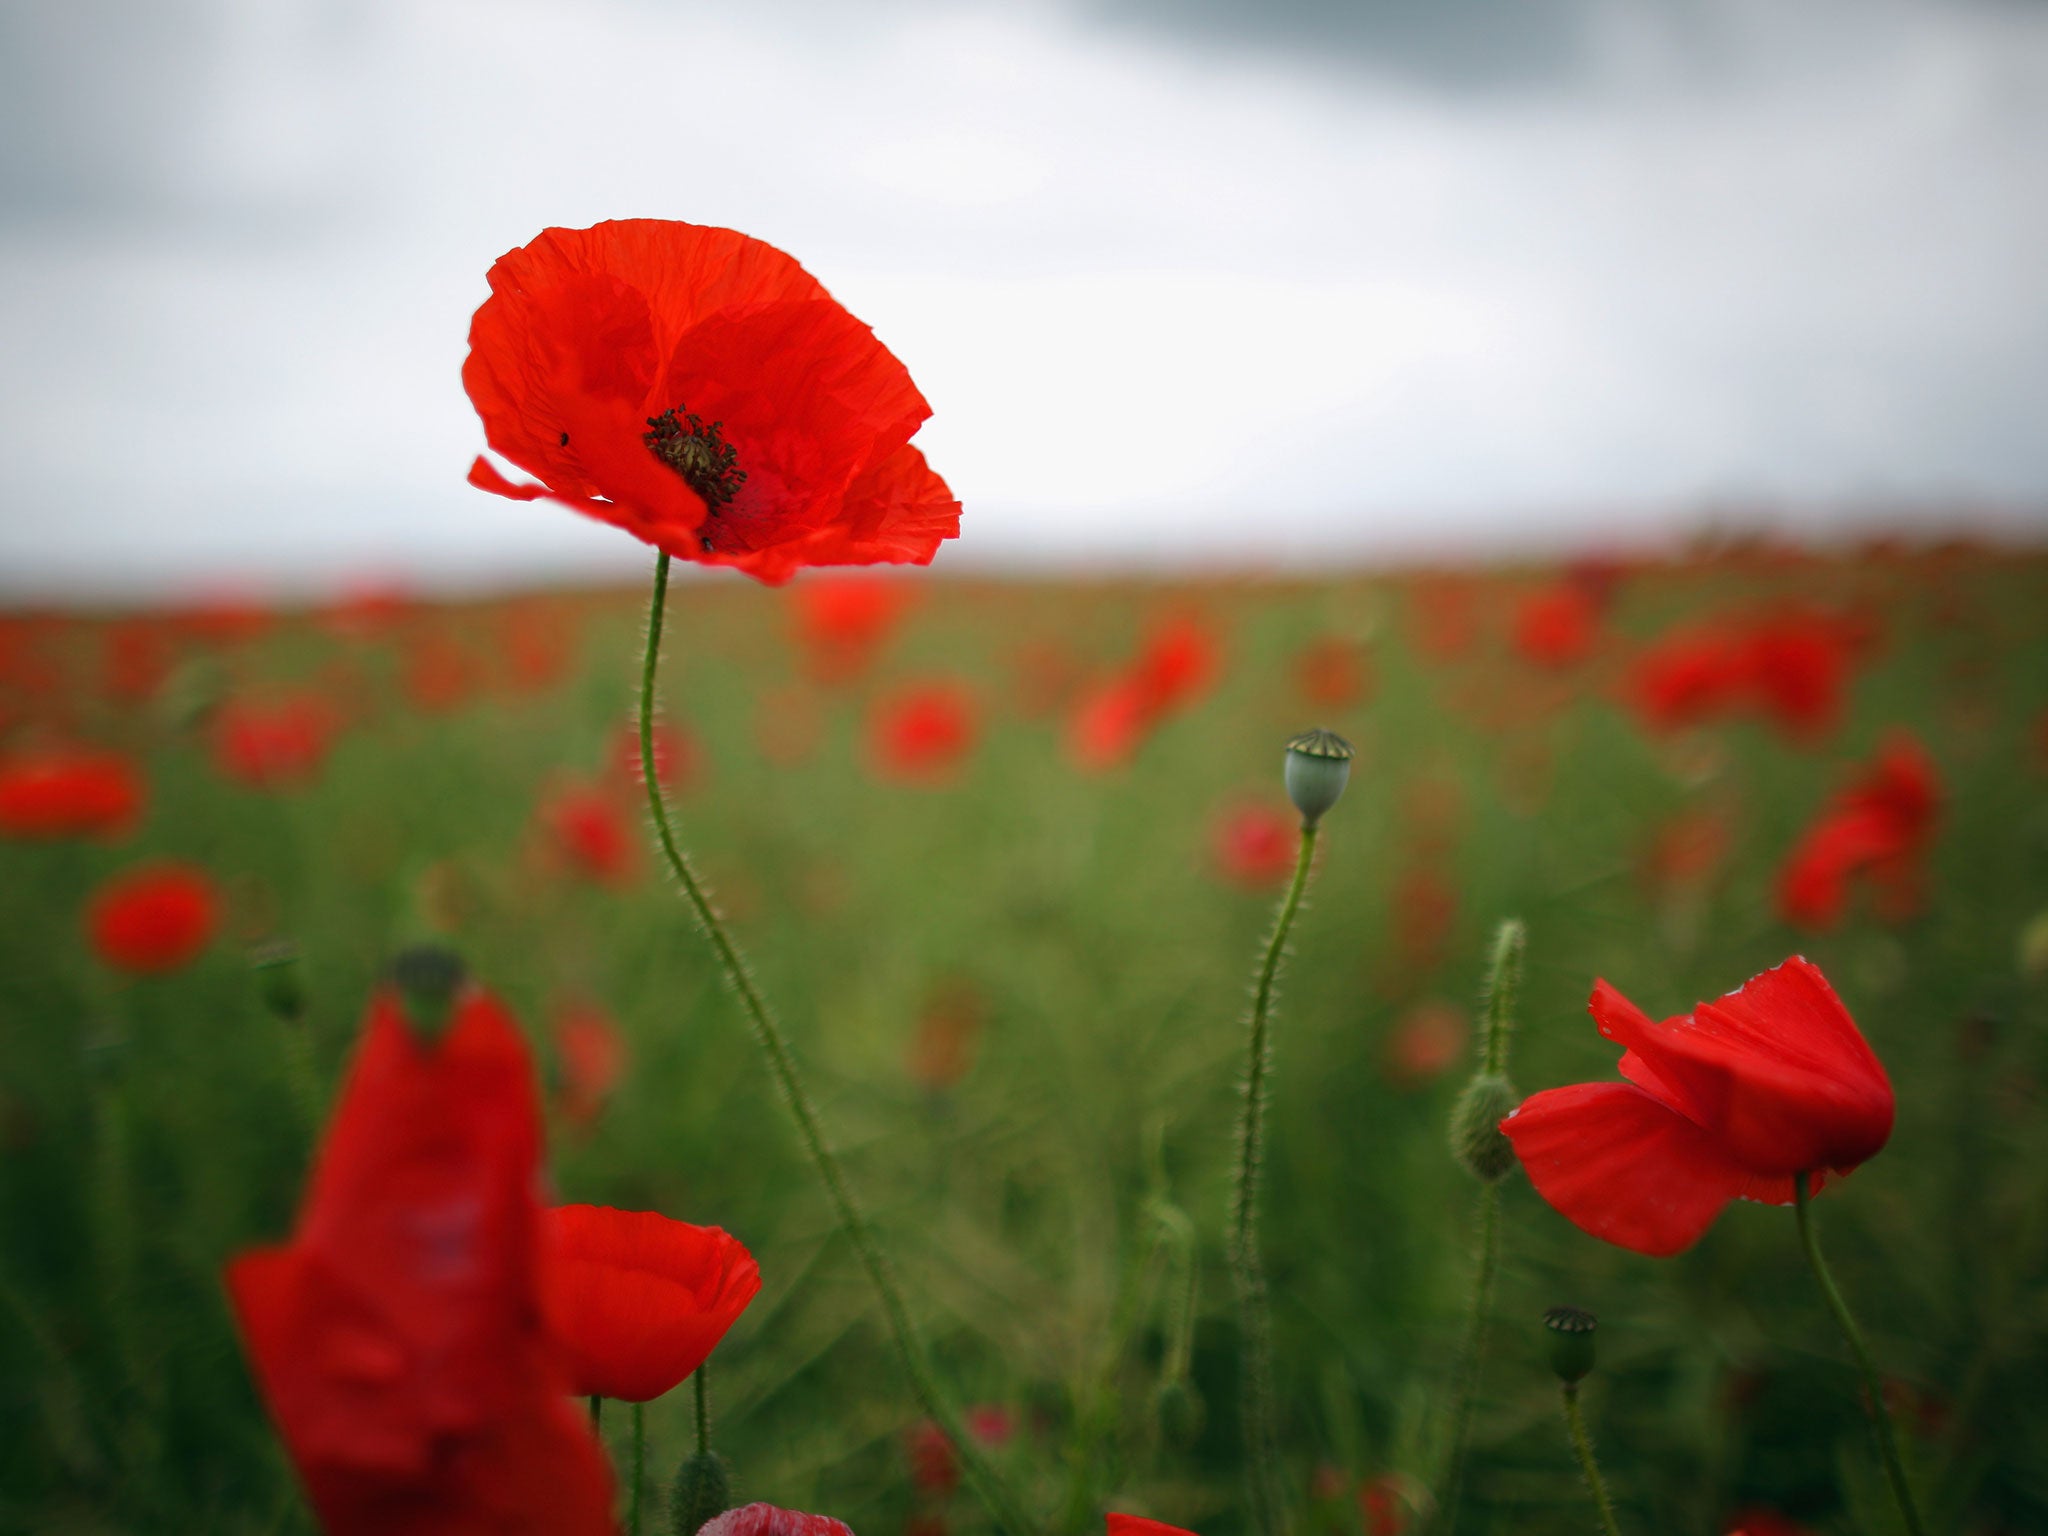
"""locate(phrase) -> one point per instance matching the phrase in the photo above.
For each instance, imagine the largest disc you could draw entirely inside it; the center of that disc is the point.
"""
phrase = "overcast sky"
(1185, 280)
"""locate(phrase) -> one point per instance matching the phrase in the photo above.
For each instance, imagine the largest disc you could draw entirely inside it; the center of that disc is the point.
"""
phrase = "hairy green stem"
(987, 1483)
(703, 1412)
(1589, 1465)
(1471, 1351)
(1873, 1388)
(1254, 1320)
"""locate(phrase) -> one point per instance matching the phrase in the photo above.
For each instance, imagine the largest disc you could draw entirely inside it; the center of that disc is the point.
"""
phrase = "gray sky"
(1204, 281)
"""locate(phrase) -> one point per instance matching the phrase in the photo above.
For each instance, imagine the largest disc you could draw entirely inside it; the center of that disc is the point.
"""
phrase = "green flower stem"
(639, 1465)
(1471, 1351)
(1873, 1388)
(1254, 1321)
(703, 1412)
(988, 1485)
(1589, 1464)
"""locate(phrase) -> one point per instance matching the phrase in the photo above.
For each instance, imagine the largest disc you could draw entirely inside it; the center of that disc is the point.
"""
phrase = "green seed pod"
(1318, 767)
(2033, 948)
(703, 1491)
(428, 977)
(1178, 1408)
(1476, 1136)
(278, 981)
(1571, 1342)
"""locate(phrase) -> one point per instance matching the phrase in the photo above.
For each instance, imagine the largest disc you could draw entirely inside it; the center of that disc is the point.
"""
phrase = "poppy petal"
(1620, 1165)
(767, 1520)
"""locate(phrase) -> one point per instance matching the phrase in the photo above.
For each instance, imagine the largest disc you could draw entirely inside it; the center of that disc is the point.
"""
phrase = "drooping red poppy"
(1138, 1525)
(153, 917)
(637, 1301)
(52, 792)
(700, 390)
(841, 621)
(273, 743)
(592, 1054)
(767, 1520)
(1254, 845)
(1555, 627)
(397, 1338)
(1878, 827)
(1729, 1101)
(920, 733)
(591, 833)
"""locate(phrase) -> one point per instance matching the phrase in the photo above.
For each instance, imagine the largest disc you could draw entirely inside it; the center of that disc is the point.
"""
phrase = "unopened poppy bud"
(278, 981)
(703, 1491)
(1475, 1126)
(1318, 767)
(428, 976)
(1571, 1342)
(1178, 1407)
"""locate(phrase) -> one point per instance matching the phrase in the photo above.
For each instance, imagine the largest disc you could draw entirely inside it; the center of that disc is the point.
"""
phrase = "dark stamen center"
(697, 451)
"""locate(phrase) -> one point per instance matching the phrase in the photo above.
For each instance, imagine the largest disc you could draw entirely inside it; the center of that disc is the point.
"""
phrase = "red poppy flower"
(1254, 845)
(700, 390)
(537, 643)
(1555, 627)
(675, 755)
(637, 1301)
(67, 792)
(1726, 1102)
(1138, 1525)
(153, 917)
(991, 1423)
(1879, 826)
(440, 675)
(136, 661)
(273, 744)
(1687, 677)
(1332, 672)
(921, 733)
(397, 1337)
(767, 1520)
(934, 1469)
(1798, 663)
(1425, 1044)
(591, 834)
(593, 1058)
(1176, 665)
(1765, 1522)
(942, 1050)
(841, 621)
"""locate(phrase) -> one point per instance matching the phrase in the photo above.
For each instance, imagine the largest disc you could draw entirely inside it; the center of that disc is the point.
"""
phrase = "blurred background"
(1622, 421)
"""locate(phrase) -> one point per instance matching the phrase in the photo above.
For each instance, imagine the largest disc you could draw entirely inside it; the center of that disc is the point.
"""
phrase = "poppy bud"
(1571, 1342)
(1318, 767)
(1178, 1407)
(427, 977)
(278, 982)
(2034, 948)
(1476, 1136)
(703, 1491)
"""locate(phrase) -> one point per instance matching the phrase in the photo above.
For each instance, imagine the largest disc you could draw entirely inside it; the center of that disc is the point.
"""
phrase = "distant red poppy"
(590, 832)
(1425, 912)
(1254, 845)
(1425, 1043)
(948, 1029)
(136, 661)
(1444, 611)
(637, 1301)
(153, 917)
(767, 1520)
(273, 743)
(1176, 665)
(1687, 677)
(592, 1054)
(397, 1338)
(1765, 1522)
(920, 733)
(1332, 672)
(1797, 662)
(700, 390)
(1789, 664)
(675, 755)
(934, 1468)
(537, 644)
(440, 674)
(1138, 1525)
(1382, 1506)
(1685, 851)
(991, 1423)
(228, 618)
(1555, 627)
(841, 621)
(367, 609)
(1878, 827)
(52, 792)
(1726, 1102)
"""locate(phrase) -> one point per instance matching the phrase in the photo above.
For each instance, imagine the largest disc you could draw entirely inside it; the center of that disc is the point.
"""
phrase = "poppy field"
(340, 975)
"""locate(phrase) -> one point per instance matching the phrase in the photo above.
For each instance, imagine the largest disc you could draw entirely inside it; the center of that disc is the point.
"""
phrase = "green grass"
(149, 1129)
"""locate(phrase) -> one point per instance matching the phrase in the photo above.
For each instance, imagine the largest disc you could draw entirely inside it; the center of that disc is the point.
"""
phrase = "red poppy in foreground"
(702, 391)
(397, 1338)
(638, 1301)
(67, 792)
(1729, 1101)
(1879, 826)
(154, 917)
(767, 1520)
(920, 734)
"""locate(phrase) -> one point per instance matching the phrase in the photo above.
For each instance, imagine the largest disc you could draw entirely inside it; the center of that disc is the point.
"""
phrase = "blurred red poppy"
(1254, 845)
(1444, 612)
(637, 1301)
(942, 1049)
(1555, 626)
(1790, 664)
(537, 644)
(1332, 672)
(1798, 666)
(920, 733)
(1425, 1043)
(675, 755)
(1765, 1522)
(397, 1338)
(991, 1423)
(592, 1054)
(841, 621)
(767, 1520)
(153, 917)
(591, 834)
(1687, 677)
(1425, 912)
(274, 743)
(68, 792)
(1726, 1102)
(440, 675)
(700, 390)
(1382, 1505)
(136, 661)
(1685, 851)
(1175, 666)
(934, 1469)
(1880, 826)
(1138, 1525)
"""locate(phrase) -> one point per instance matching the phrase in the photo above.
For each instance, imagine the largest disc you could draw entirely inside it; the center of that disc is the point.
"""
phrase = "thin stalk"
(988, 1485)
(1873, 1388)
(639, 1464)
(703, 1413)
(1254, 1319)
(1472, 1351)
(1589, 1465)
